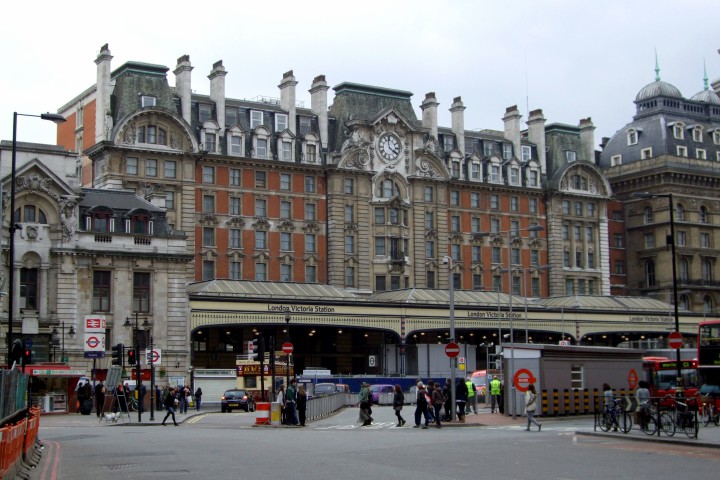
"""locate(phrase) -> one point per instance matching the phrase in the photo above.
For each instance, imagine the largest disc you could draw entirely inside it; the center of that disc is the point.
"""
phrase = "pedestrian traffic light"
(258, 349)
(132, 360)
(27, 356)
(117, 354)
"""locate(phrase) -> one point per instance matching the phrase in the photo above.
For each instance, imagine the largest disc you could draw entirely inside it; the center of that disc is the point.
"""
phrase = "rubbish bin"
(275, 413)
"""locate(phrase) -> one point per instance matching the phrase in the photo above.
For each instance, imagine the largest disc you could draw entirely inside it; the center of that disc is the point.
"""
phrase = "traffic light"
(27, 356)
(258, 349)
(132, 360)
(117, 354)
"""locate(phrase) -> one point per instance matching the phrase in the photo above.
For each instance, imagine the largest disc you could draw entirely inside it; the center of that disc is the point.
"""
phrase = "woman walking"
(398, 402)
(438, 400)
(531, 406)
(170, 406)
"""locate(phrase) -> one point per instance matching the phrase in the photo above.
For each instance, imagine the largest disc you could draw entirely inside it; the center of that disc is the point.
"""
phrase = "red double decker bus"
(661, 374)
(709, 356)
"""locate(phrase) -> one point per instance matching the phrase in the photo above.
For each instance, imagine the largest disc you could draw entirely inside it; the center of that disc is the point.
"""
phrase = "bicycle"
(132, 404)
(680, 417)
(709, 411)
(647, 418)
(616, 417)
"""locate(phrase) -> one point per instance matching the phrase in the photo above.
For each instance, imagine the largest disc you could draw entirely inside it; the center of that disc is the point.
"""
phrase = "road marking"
(196, 419)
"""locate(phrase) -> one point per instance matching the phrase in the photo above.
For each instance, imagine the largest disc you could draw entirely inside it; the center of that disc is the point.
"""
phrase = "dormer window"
(281, 122)
(526, 153)
(256, 119)
(679, 131)
(147, 101)
(507, 151)
(697, 133)
(495, 173)
(204, 113)
(716, 136)
(514, 176)
(632, 137)
(448, 143)
(570, 156)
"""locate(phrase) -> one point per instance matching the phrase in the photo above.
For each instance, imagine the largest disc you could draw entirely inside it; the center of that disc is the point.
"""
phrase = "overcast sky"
(572, 59)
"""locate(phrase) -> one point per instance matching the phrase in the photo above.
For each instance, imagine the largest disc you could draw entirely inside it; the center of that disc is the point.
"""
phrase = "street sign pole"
(152, 379)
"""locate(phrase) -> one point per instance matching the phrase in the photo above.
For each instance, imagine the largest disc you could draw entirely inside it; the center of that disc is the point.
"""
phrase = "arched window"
(650, 273)
(648, 216)
(684, 302)
(707, 270)
(683, 270)
(707, 304)
(387, 189)
(30, 214)
(703, 215)
(679, 212)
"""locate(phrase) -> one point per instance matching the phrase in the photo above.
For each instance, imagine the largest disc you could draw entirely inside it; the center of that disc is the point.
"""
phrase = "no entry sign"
(452, 349)
(675, 340)
(287, 348)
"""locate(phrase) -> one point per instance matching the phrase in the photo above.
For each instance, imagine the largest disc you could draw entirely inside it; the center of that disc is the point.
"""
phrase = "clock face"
(389, 146)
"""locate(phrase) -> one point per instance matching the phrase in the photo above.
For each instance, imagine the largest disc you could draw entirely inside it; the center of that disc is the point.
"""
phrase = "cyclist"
(609, 400)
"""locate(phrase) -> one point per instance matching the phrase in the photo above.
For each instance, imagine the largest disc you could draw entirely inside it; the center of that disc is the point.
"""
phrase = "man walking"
(494, 393)
(99, 398)
(472, 398)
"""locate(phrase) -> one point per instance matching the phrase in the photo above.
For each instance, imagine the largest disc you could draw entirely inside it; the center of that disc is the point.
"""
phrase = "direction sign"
(452, 349)
(675, 340)
(522, 379)
(287, 348)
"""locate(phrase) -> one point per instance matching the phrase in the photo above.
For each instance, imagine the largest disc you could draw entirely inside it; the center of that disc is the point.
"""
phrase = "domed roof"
(658, 88)
(707, 96)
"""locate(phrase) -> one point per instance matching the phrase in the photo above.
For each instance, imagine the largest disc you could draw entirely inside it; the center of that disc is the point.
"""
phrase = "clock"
(389, 146)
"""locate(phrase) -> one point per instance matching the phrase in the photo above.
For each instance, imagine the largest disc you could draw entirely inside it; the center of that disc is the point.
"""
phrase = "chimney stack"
(217, 91)
(458, 123)
(182, 85)
(587, 140)
(429, 114)
(287, 98)
(512, 129)
(319, 106)
(536, 135)
(102, 100)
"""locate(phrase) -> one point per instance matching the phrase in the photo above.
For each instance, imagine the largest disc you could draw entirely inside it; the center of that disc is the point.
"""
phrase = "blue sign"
(94, 354)
(28, 342)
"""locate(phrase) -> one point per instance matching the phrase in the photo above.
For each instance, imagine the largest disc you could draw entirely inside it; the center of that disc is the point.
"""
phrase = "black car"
(237, 398)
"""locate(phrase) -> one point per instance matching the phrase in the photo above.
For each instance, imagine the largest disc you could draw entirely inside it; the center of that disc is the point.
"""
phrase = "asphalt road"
(216, 445)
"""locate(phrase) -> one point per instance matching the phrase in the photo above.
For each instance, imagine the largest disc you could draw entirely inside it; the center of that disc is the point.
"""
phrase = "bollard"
(262, 413)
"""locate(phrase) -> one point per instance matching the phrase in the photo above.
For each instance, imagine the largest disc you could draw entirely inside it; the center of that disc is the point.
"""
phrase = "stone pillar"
(458, 123)
(43, 293)
(429, 114)
(587, 140)
(217, 92)
(287, 98)
(512, 129)
(536, 135)
(319, 106)
(102, 92)
(182, 85)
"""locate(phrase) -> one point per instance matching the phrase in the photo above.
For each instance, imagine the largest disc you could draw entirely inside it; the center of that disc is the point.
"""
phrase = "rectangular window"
(256, 119)
(261, 150)
(448, 143)
(429, 249)
(681, 151)
(533, 205)
(475, 171)
(285, 273)
(349, 186)
(208, 237)
(281, 122)
(514, 204)
(681, 238)
(141, 292)
(285, 181)
(349, 276)
(311, 274)
(208, 174)
(204, 113)
(649, 240)
(311, 152)
(578, 209)
(151, 168)
(496, 255)
(380, 249)
(516, 285)
(514, 176)
(260, 179)
(234, 237)
(488, 148)
(285, 241)
(234, 270)
(704, 240)
(287, 151)
(475, 200)
(349, 214)
(526, 153)
(234, 206)
(566, 259)
(236, 145)
(494, 173)
(534, 257)
(169, 200)
(231, 116)
(285, 209)
(147, 101)
(260, 272)
(590, 209)
(455, 223)
(170, 168)
(577, 377)
(566, 232)
(457, 281)
(590, 260)
(570, 156)
(589, 237)
(477, 282)
(581, 286)
(646, 153)
(476, 254)
(494, 202)
(304, 125)
(532, 178)
(379, 215)
(349, 244)
(514, 228)
(102, 289)
(566, 207)
(260, 207)
(429, 220)
(260, 239)
(455, 252)
(208, 270)
(234, 177)
(578, 260)
(309, 184)
(475, 225)
(619, 267)
(535, 287)
(210, 142)
(454, 197)
(618, 240)
(507, 151)
(497, 283)
(430, 279)
(515, 256)
(208, 204)
(131, 166)
(310, 209)
(310, 243)
(494, 225)
(569, 287)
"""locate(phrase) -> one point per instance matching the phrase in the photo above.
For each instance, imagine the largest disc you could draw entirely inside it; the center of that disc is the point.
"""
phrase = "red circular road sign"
(675, 340)
(153, 356)
(522, 379)
(287, 348)
(632, 378)
(452, 349)
(92, 342)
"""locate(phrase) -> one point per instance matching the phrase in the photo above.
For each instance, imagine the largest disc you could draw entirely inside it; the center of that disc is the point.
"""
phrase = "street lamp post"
(288, 317)
(679, 389)
(12, 225)
(448, 260)
(138, 364)
(71, 333)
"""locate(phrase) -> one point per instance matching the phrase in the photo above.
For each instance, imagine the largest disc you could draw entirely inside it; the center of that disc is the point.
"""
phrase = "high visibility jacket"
(471, 388)
(495, 387)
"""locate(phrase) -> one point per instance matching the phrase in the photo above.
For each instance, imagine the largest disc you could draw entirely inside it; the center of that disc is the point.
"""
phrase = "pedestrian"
(120, 399)
(438, 400)
(170, 406)
(364, 402)
(422, 403)
(187, 396)
(642, 396)
(158, 398)
(494, 393)
(472, 397)
(142, 390)
(447, 393)
(429, 389)
(398, 402)
(609, 400)
(198, 398)
(301, 404)
(531, 406)
(100, 398)
(127, 394)
(290, 403)
(281, 401)
(460, 399)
